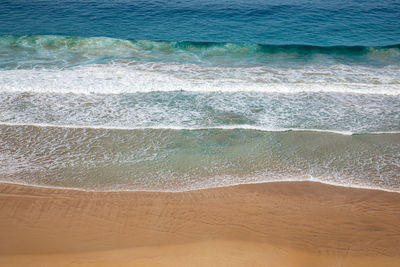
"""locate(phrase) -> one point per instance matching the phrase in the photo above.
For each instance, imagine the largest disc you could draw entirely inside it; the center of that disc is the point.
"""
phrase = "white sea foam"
(343, 113)
(173, 127)
(135, 77)
(202, 187)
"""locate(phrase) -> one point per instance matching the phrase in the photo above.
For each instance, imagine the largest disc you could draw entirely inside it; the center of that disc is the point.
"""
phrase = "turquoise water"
(50, 51)
(153, 95)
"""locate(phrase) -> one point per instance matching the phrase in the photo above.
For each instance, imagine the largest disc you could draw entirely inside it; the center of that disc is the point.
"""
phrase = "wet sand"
(271, 224)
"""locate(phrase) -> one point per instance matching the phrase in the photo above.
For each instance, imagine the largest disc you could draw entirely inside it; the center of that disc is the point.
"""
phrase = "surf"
(66, 51)
(179, 160)
(347, 113)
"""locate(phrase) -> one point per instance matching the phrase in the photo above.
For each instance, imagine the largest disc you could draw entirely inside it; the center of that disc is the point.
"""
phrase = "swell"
(72, 50)
(54, 42)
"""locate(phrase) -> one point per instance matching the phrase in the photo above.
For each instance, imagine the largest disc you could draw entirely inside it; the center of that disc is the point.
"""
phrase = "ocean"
(184, 95)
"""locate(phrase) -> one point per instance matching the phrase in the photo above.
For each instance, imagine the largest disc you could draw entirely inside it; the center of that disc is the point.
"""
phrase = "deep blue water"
(315, 22)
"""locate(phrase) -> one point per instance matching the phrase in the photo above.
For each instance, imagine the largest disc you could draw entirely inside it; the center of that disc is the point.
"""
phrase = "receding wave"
(176, 160)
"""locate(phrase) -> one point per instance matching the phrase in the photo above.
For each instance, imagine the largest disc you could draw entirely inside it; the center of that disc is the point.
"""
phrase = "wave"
(170, 160)
(101, 65)
(337, 112)
(100, 113)
(65, 51)
(54, 42)
(133, 77)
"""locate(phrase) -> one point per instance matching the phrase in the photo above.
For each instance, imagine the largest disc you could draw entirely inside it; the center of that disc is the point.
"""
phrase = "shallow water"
(176, 160)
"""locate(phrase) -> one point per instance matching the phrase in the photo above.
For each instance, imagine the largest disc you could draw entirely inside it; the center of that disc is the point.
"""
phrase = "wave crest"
(44, 50)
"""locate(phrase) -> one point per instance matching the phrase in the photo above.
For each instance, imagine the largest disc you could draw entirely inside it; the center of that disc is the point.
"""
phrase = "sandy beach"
(153, 133)
(271, 224)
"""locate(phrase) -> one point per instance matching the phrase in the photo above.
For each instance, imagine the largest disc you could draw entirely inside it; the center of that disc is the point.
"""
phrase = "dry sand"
(273, 224)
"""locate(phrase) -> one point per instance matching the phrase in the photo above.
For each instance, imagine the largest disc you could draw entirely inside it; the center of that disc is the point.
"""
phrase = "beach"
(265, 224)
(200, 133)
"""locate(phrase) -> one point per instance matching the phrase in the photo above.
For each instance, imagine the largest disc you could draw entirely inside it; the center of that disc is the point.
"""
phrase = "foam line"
(178, 128)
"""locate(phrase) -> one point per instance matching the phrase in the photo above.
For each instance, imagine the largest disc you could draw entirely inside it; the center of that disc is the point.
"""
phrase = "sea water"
(182, 95)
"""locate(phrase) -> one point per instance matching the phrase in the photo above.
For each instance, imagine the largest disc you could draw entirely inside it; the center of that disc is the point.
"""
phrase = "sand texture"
(272, 224)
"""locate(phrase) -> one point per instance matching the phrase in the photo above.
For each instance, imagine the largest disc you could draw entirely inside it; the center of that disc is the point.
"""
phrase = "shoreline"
(199, 189)
(314, 224)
